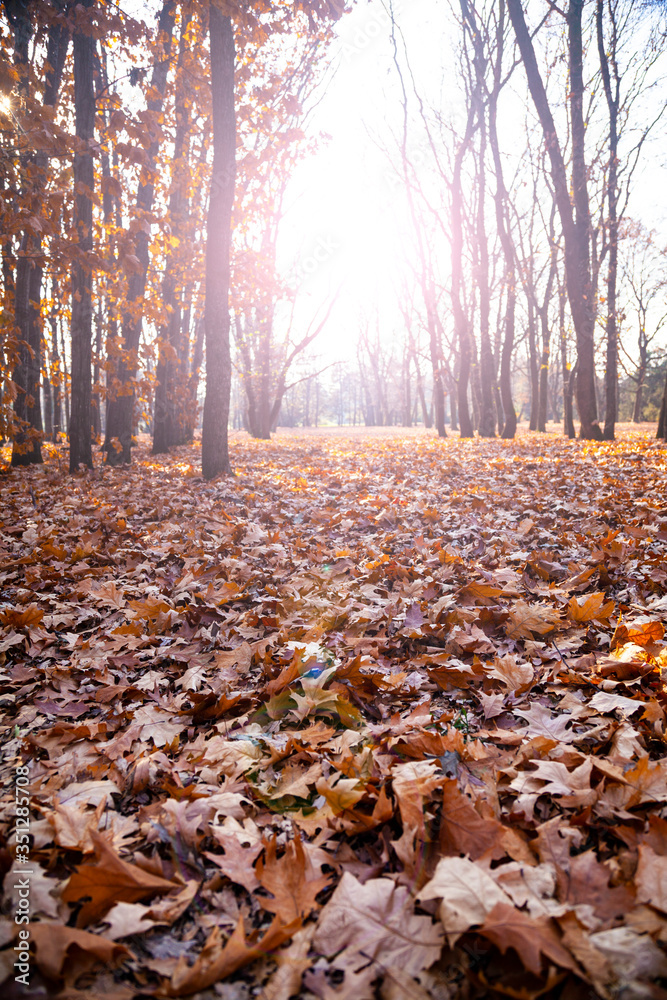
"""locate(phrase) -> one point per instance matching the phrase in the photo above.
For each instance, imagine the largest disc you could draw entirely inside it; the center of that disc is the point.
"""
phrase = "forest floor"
(382, 716)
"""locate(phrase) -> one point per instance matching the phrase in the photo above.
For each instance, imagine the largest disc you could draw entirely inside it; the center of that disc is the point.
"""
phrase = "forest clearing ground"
(285, 730)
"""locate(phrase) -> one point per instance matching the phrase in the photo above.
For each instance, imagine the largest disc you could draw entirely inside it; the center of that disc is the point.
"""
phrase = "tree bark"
(612, 98)
(215, 446)
(576, 225)
(568, 374)
(662, 420)
(80, 429)
(29, 273)
(120, 410)
(502, 224)
(170, 374)
(26, 448)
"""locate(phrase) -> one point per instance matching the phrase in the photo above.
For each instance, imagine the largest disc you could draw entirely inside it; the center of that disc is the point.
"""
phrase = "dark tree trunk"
(461, 330)
(509, 425)
(576, 228)
(487, 416)
(612, 98)
(215, 448)
(532, 359)
(48, 405)
(80, 429)
(568, 374)
(120, 410)
(544, 383)
(545, 331)
(638, 408)
(502, 223)
(56, 373)
(435, 341)
(662, 419)
(28, 287)
(171, 373)
(26, 449)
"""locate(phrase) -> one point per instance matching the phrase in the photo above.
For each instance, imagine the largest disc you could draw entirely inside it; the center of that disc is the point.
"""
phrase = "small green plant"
(461, 721)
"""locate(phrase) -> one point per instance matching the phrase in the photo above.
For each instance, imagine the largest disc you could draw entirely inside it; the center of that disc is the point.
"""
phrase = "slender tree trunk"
(576, 230)
(48, 404)
(544, 381)
(170, 374)
(215, 448)
(26, 449)
(80, 437)
(487, 416)
(545, 331)
(638, 408)
(532, 360)
(29, 271)
(662, 419)
(461, 330)
(120, 410)
(612, 97)
(509, 425)
(435, 341)
(56, 370)
(502, 223)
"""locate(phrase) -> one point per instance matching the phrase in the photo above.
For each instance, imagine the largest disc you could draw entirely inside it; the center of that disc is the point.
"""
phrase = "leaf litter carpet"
(378, 717)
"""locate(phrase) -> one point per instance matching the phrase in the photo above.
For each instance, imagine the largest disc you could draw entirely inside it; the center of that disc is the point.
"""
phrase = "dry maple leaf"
(217, 961)
(594, 607)
(530, 937)
(467, 893)
(542, 723)
(110, 880)
(291, 880)
(378, 919)
(651, 878)
(516, 676)
(67, 951)
(412, 783)
(528, 620)
(292, 962)
(242, 846)
(463, 830)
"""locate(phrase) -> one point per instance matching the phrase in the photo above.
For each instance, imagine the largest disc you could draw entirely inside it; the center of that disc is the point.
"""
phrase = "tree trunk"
(662, 420)
(568, 374)
(638, 409)
(509, 425)
(532, 360)
(26, 449)
(120, 410)
(170, 374)
(487, 416)
(435, 341)
(215, 448)
(28, 288)
(461, 330)
(544, 382)
(80, 429)
(546, 333)
(576, 229)
(502, 223)
(611, 370)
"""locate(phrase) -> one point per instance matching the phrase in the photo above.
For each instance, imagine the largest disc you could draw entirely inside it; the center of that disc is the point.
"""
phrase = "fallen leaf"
(378, 919)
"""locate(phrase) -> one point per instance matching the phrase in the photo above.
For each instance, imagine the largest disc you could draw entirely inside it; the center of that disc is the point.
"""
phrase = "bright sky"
(348, 220)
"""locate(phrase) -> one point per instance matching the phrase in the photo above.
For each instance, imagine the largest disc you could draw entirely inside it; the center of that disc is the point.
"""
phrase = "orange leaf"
(61, 949)
(591, 608)
(530, 937)
(291, 880)
(215, 962)
(111, 880)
